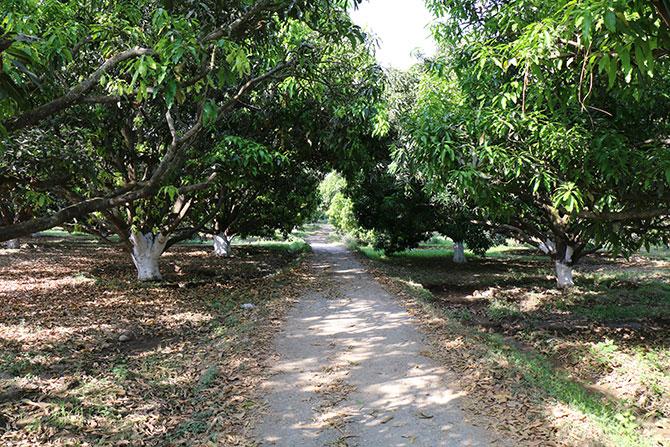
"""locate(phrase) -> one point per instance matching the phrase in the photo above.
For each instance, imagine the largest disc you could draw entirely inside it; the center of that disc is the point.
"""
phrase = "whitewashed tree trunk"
(459, 253)
(13, 244)
(548, 247)
(222, 245)
(564, 269)
(147, 250)
(564, 275)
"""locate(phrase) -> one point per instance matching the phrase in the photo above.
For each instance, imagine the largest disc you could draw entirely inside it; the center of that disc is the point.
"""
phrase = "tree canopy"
(117, 83)
(553, 116)
(544, 121)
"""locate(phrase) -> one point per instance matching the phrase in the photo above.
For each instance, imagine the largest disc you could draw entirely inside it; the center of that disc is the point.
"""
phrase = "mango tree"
(178, 67)
(258, 192)
(554, 117)
(393, 202)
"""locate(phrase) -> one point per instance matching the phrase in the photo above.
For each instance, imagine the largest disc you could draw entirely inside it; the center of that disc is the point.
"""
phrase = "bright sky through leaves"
(401, 27)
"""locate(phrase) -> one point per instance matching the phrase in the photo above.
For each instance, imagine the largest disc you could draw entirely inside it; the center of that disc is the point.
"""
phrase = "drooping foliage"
(553, 116)
(129, 89)
(114, 114)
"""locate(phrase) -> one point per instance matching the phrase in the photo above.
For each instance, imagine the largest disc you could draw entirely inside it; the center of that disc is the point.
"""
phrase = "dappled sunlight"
(596, 354)
(90, 354)
(185, 317)
(352, 364)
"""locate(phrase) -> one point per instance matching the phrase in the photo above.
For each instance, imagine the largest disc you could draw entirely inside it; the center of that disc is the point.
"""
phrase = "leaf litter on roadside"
(184, 374)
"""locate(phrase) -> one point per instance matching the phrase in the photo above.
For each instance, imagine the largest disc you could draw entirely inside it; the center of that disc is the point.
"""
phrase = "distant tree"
(393, 202)
(332, 184)
(401, 215)
(258, 194)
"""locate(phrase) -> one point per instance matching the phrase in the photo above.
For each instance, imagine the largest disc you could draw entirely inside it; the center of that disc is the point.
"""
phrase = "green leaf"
(611, 72)
(610, 20)
(586, 26)
(209, 112)
(170, 92)
(170, 191)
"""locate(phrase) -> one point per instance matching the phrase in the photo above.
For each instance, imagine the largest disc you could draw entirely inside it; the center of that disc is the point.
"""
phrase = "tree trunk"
(564, 269)
(147, 250)
(564, 275)
(222, 245)
(459, 253)
(13, 244)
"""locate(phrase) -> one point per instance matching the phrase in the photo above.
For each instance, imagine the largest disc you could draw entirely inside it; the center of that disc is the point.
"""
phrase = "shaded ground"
(353, 370)
(192, 358)
(600, 352)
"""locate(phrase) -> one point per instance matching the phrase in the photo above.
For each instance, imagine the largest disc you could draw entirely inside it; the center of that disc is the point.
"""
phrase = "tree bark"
(564, 269)
(222, 245)
(147, 250)
(459, 253)
(75, 94)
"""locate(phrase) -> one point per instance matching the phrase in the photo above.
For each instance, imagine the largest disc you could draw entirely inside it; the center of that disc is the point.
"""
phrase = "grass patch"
(208, 378)
(617, 298)
(19, 365)
(658, 252)
(616, 421)
(291, 246)
(501, 309)
(423, 254)
(59, 232)
(197, 424)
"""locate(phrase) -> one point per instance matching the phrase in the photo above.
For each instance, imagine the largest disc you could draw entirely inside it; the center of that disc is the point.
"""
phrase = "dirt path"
(351, 371)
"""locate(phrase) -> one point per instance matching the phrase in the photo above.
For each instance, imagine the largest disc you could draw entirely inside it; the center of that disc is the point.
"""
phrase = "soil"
(353, 369)
(90, 356)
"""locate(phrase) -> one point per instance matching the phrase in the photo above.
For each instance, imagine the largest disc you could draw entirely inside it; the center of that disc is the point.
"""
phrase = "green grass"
(72, 413)
(305, 230)
(208, 378)
(438, 241)
(617, 299)
(414, 254)
(439, 248)
(500, 309)
(195, 242)
(198, 423)
(659, 252)
(614, 312)
(295, 243)
(59, 232)
(19, 366)
(292, 245)
(613, 417)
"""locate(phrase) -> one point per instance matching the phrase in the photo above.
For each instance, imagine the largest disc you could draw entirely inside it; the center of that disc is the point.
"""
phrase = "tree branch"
(621, 216)
(241, 24)
(76, 94)
(139, 190)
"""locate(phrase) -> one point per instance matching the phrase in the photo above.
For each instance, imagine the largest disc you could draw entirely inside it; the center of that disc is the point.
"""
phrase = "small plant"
(18, 366)
(459, 314)
(499, 310)
(604, 352)
(120, 372)
(197, 424)
(208, 377)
